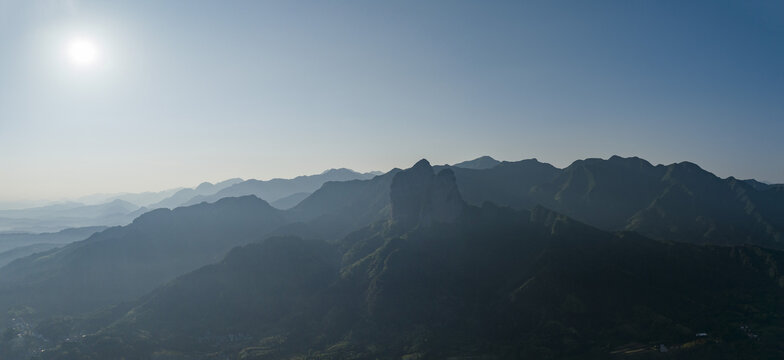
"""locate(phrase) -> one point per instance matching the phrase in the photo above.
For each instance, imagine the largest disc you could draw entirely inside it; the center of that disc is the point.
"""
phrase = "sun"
(82, 52)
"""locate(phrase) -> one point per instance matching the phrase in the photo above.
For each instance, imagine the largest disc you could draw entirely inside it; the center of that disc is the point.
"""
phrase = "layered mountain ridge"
(488, 282)
(276, 189)
(679, 202)
(436, 261)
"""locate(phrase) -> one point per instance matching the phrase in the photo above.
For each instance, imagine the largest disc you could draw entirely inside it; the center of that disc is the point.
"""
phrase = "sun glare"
(82, 52)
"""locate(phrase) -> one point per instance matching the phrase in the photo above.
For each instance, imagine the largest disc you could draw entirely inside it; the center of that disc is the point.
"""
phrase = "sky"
(184, 92)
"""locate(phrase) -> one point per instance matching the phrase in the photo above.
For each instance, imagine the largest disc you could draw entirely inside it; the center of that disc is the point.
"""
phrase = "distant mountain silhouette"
(122, 263)
(138, 199)
(17, 245)
(290, 201)
(488, 282)
(71, 210)
(204, 189)
(276, 189)
(11, 240)
(483, 162)
(53, 218)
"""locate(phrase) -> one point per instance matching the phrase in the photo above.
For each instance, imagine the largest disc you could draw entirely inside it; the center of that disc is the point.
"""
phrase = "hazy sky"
(187, 91)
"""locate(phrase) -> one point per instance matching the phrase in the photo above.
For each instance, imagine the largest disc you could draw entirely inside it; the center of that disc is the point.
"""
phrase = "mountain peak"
(689, 166)
(630, 161)
(422, 164)
(204, 186)
(228, 182)
(614, 161)
(480, 163)
(420, 197)
(339, 171)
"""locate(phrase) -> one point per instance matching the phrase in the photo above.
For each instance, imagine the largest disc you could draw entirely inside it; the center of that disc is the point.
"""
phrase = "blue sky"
(185, 92)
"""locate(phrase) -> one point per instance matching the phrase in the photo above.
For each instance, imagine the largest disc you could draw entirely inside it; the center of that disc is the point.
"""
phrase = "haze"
(210, 91)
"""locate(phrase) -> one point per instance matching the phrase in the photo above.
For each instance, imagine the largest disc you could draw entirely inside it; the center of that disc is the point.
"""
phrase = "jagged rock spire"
(420, 197)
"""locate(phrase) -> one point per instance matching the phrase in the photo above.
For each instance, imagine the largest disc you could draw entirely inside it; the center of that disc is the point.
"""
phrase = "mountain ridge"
(492, 282)
(277, 188)
(377, 226)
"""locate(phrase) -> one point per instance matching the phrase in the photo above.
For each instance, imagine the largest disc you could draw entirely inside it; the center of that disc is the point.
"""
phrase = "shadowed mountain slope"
(122, 263)
(10, 241)
(508, 183)
(340, 207)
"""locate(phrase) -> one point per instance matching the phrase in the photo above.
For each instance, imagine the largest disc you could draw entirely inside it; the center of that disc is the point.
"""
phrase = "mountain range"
(17, 245)
(121, 209)
(183, 195)
(53, 218)
(143, 199)
(440, 278)
(277, 189)
(482, 162)
(679, 202)
(514, 259)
